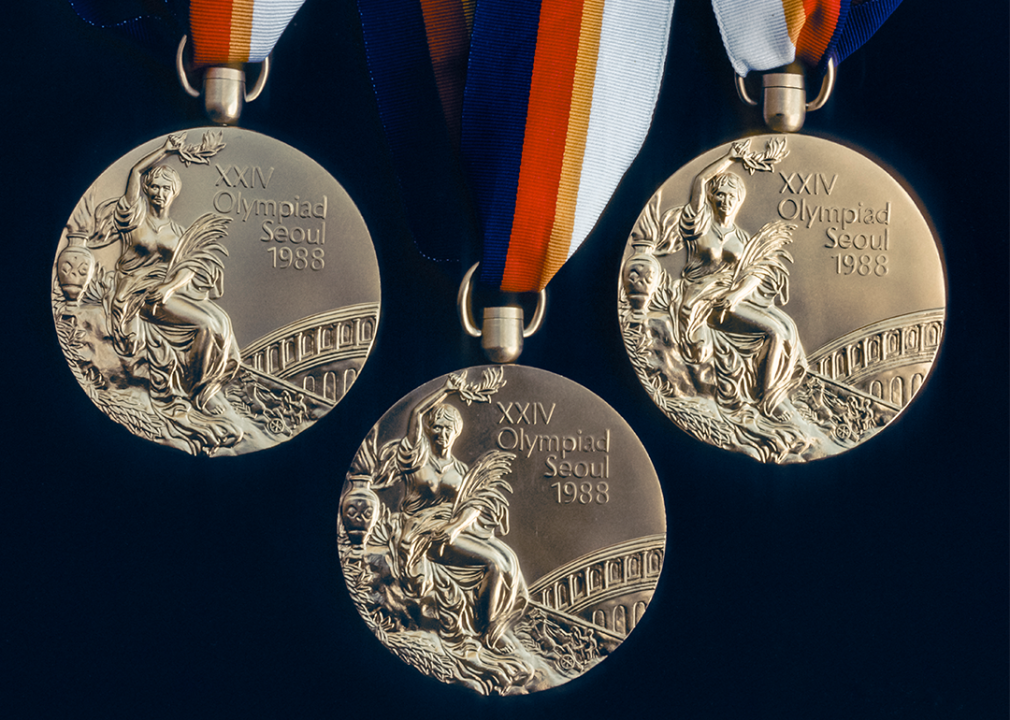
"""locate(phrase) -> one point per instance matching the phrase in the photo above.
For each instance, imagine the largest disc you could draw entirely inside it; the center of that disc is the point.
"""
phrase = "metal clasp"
(223, 87)
(502, 332)
(785, 97)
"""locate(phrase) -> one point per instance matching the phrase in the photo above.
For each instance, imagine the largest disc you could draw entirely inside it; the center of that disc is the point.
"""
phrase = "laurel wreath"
(492, 380)
(775, 151)
(201, 154)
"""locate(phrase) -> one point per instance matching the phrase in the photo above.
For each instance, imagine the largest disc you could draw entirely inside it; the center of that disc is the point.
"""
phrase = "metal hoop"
(466, 319)
(180, 68)
(827, 86)
(741, 91)
(261, 81)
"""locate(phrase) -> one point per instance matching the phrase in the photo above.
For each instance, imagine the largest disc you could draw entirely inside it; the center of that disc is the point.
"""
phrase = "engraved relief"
(137, 302)
(446, 574)
(639, 611)
(716, 346)
(621, 619)
(423, 536)
(158, 311)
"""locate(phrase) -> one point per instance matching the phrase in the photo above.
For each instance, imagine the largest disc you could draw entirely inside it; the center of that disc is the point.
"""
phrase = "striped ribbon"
(559, 100)
(221, 31)
(237, 31)
(559, 96)
(766, 34)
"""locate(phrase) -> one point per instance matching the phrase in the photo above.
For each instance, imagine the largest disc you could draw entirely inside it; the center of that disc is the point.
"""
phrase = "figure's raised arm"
(452, 384)
(134, 184)
(700, 184)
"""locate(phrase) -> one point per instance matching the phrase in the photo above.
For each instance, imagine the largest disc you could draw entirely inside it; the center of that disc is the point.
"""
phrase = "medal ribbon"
(559, 96)
(559, 99)
(221, 31)
(417, 55)
(237, 31)
(766, 34)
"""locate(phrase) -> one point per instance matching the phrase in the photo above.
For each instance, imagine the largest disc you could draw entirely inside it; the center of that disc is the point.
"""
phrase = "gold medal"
(501, 528)
(782, 296)
(216, 296)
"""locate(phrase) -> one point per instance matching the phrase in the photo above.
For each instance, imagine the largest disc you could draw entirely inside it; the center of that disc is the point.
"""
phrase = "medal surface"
(783, 297)
(501, 528)
(157, 338)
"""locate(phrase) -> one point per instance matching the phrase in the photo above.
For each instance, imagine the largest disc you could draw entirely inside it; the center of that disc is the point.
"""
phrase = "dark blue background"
(138, 582)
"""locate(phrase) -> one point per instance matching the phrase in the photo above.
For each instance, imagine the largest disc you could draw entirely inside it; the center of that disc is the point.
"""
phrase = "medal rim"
(365, 244)
(899, 181)
(401, 405)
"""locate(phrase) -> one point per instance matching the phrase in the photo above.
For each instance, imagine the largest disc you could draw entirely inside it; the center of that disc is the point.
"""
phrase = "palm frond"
(199, 248)
(486, 477)
(765, 254)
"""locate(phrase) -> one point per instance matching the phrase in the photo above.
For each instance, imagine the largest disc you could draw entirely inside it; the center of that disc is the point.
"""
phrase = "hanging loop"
(741, 91)
(785, 105)
(502, 332)
(827, 86)
(223, 87)
(180, 69)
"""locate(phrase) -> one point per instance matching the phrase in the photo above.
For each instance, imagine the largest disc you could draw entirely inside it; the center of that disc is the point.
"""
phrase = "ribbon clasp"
(502, 332)
(785, 104)
(224, 90)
